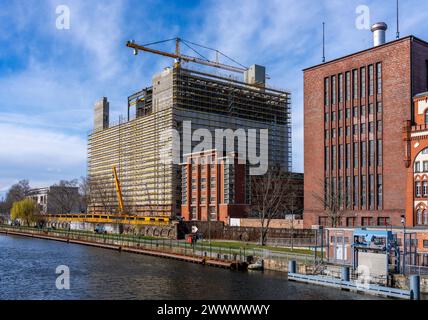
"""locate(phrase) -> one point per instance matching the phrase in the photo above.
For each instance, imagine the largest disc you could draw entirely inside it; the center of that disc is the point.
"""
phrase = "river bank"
(28, 272)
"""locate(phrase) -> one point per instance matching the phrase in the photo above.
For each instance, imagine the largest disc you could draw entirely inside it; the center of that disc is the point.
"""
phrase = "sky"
(50, 77)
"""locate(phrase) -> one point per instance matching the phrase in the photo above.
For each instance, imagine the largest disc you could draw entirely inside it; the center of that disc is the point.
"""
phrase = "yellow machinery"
(118, 191)
(122, 217)
(109, 218)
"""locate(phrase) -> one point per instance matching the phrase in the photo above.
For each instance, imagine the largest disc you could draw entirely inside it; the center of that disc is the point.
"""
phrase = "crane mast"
(118, 190)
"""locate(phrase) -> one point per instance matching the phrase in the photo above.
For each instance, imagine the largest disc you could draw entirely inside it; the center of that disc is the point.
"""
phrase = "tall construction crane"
(181, 57)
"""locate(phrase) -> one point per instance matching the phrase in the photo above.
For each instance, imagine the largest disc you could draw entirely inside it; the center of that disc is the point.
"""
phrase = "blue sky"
(50, 78)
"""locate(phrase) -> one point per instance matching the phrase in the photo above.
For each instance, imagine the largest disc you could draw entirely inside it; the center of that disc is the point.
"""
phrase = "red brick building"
(354, 108)
(213, 185)
(416, 161)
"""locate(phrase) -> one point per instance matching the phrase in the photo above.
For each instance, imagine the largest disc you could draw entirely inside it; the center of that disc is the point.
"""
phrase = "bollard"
(415, 293)
(292, 266)
(345, 273)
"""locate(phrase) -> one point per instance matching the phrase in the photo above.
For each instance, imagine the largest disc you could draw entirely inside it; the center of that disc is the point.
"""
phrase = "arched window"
(426, 116)
(419, 216)
(425, 217)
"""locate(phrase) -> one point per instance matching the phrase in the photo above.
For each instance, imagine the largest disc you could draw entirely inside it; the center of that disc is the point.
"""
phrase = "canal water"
(27, 271)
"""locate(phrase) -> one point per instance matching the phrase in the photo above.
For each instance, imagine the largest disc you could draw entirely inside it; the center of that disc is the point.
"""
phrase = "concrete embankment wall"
(160, 248)
(281, 236)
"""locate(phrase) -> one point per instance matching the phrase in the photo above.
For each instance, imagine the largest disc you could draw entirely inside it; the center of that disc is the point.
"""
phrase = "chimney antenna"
(323, 42)
(398, 20)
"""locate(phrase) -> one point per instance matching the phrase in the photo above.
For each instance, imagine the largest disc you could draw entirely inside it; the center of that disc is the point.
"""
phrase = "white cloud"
(38, 147)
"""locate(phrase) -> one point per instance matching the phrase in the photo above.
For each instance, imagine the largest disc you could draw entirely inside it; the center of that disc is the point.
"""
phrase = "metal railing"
(276, 260)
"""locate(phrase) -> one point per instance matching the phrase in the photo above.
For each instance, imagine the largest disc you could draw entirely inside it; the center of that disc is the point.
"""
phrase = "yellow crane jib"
(118, 190)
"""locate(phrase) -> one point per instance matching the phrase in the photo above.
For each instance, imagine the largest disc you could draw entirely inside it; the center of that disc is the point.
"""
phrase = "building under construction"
(142, 146)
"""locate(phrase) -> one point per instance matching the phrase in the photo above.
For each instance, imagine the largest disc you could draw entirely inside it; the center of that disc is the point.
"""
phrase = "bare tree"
(269, 197)
(64, 197)
(102, 197)
(333, 203)
(84, 194)
(17, 192)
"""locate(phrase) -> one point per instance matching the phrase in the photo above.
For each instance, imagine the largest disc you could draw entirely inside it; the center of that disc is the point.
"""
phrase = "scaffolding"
(151, 186)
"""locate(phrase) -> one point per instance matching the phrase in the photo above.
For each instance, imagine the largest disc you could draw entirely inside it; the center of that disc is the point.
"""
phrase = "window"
(366, 221)
(355, 154)
(333, 90)
(203, 199)
(355, 129)
(326, 153)
(425, 166)
(419, 216)
(355, 191)
(371, 127)
(379, 153)
(348, 192)
(371, 109)
(425, 243)
(417, 166)
(363, 191)
(363, 111)
(326, 118)
(351, 221)
(426, 116)
(379, 191)
(355, 83)
(323, 221)
(363, 82)
(326, 135)
(363, 128)
(417, 189)
(379, 77)
(193, 215)
(371, 80)
(363, 154)
(348, 113)
(379, 126)
(340, 156)
(348, 155)
(340, 132)
(348, 131)
(333, 157)
(424, 188)
(383, 221)
(355, 111)
(326, 91)
(371, 153)
(341, 87)
(348, 86)
(333, 116)
(379, 107)
(333, 133)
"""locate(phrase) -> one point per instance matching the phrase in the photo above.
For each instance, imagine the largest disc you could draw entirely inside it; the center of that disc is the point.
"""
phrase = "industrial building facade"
(416, 160)
(214, 187)
(354, 111)
(142, 147)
